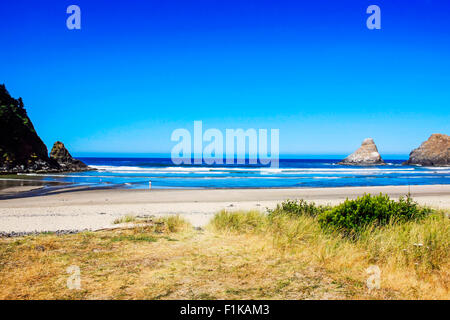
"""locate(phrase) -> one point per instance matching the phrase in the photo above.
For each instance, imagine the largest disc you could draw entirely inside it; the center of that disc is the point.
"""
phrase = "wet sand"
(81, 208)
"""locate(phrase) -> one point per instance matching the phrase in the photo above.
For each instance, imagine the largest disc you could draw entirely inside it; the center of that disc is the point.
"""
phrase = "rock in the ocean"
(21, 149)
(433, 152)
(65, 160)
(366, 155)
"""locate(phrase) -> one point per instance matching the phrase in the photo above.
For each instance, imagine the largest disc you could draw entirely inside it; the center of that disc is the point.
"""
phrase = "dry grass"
(171, 223)
(166, 260)
(125, 219)
(243, 255)
(413, 256)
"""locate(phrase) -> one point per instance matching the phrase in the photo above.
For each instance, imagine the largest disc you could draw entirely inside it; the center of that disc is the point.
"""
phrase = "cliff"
(433, 152)
(21, 149)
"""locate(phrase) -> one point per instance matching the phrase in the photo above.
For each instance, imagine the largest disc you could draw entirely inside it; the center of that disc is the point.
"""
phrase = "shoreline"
(73, 187)
(81, 208)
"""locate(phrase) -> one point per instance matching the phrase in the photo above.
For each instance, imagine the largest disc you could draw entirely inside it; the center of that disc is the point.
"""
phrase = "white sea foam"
(262, 170)
(61, 175)
(249, 176)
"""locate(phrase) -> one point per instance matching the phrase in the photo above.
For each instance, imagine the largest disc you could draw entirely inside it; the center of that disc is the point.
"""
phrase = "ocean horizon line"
(306, 156)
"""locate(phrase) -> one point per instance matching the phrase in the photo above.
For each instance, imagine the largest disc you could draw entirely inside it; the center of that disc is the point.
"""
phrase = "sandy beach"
(79, 209)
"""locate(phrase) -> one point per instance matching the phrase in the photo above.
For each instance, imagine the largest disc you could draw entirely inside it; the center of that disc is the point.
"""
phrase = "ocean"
(292, 173)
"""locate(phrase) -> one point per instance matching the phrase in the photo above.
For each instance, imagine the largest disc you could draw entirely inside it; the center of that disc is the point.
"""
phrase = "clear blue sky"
(137, 70)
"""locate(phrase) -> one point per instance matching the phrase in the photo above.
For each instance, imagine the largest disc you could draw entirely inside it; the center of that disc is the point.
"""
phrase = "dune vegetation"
(295, 251)
(411, 250)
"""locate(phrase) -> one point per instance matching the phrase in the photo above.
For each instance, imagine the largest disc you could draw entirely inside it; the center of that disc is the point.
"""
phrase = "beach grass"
(240, 255)
(413, 257)
(125, 219)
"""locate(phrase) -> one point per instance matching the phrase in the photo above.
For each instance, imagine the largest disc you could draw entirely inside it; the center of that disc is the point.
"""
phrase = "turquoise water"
(292, 173)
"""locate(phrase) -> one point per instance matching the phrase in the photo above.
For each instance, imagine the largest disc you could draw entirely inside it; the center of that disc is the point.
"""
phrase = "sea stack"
(366, 155)
(433, 152)
(61, 155)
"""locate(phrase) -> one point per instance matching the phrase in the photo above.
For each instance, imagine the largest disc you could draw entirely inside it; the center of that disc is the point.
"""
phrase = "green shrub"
(298, 208)
(352, 216)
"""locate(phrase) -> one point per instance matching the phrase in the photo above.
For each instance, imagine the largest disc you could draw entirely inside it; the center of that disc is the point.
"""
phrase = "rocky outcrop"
(21, 149)
(61, 155)
(433, 152)
(366, 155)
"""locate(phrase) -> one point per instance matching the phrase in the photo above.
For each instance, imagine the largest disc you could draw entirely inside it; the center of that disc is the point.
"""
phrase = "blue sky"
(137, 70)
